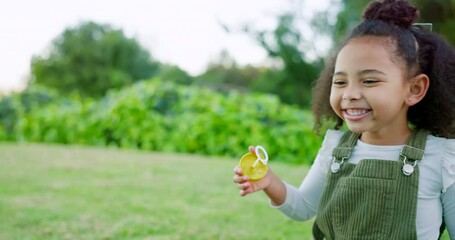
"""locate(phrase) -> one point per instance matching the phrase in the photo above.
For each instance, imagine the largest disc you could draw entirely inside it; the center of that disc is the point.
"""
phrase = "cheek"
(334, 99)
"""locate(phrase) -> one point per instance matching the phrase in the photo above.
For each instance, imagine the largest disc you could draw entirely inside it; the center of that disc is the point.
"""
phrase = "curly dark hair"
(432, 56)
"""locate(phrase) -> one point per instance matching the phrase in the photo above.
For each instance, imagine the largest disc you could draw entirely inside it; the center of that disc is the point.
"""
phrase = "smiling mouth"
(355, 114)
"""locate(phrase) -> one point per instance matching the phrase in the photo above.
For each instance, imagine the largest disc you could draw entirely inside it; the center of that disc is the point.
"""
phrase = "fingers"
(244, 185)
(242, 182)
(245, 189)
(238, 171)
(243, 193)
(239, 178)
(238, 175)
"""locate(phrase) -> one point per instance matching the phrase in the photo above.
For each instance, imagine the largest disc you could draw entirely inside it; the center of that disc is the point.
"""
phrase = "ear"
(418, 89)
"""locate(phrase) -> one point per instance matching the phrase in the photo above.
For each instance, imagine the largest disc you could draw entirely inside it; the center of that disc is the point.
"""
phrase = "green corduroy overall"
(374, 199)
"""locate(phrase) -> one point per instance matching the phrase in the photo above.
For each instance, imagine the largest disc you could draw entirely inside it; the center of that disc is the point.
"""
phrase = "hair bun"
(397, 12)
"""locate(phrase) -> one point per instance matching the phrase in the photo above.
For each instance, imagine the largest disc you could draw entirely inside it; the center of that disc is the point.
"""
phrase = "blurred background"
(141, 97)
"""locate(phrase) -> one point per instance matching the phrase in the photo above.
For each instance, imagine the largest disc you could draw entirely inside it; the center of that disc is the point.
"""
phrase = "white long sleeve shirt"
(436, 194)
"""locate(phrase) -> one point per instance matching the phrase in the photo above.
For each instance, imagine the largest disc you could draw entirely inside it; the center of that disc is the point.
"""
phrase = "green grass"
(69, 192)
(61, 192)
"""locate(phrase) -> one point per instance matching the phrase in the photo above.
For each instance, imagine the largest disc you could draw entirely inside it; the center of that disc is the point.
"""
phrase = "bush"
(14, 106)
(164, 116)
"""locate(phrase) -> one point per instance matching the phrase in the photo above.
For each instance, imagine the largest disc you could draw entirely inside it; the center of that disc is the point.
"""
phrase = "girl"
(392, 174)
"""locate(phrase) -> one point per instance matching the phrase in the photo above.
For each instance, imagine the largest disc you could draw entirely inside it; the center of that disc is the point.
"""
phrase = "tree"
(173, 73)
(90, 59)
(294, 82)
(225, 74)
(439, 12)
(442, 14)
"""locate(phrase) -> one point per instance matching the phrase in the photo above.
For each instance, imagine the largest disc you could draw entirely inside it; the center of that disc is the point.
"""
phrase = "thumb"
(252, 149)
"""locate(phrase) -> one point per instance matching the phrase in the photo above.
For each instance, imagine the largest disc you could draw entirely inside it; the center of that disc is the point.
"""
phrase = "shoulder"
(442, 149)
(441, 145)
(332, 137)
(331, 140)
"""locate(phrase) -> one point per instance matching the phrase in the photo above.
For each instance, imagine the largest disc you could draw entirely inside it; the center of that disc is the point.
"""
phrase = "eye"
(370, 81)
(339, 82)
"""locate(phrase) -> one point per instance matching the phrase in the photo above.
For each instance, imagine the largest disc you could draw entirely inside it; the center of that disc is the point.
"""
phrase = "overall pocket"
(363, 208)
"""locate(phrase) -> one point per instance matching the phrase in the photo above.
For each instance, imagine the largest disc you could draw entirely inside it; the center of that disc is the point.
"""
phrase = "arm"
(297, 203)
(276, 190)
(448, 204)
(448, 191)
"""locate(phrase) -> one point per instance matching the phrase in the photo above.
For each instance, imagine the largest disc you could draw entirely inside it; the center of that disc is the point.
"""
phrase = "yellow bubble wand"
(254, 165)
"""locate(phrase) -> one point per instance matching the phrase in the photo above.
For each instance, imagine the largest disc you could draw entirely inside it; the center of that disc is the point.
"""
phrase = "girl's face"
(369, 90)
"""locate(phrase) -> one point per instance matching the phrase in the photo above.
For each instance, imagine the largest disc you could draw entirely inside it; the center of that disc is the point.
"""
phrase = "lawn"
(72, 192)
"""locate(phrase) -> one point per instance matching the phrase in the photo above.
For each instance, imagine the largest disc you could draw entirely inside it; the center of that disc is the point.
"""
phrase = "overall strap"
(414, 148)
(345, 146)
(413, 151)
(343, 150)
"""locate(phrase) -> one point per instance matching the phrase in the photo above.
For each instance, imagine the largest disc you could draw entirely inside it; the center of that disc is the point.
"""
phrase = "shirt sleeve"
(302, 203)
(448, 191)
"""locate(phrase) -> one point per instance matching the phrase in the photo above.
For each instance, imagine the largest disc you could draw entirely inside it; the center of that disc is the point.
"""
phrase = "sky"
(185, 33)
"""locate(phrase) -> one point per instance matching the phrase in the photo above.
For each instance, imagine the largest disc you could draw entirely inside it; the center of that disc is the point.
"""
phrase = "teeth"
(356, 112)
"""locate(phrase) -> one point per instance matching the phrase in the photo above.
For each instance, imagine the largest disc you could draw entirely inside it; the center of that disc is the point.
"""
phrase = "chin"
(356, 129)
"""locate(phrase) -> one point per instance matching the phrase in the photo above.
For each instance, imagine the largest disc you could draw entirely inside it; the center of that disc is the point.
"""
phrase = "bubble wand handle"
(259, 156)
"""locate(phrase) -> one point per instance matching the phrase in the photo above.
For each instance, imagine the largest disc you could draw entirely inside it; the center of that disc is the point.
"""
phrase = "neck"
(386, 138)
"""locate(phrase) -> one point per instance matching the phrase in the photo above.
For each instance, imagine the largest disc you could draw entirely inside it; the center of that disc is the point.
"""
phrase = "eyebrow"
(363, 72)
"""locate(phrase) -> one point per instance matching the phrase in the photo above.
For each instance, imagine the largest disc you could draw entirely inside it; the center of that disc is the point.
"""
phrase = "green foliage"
(66, 121)
(174, 74)
(225, 74)
(163, 116)
(9, 111)
(90, 59)
(439, 12)
(293, 82)
(442, 14)
(14, 106)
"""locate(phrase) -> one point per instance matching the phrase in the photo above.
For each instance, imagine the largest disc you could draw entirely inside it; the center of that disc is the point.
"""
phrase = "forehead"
(369, 52)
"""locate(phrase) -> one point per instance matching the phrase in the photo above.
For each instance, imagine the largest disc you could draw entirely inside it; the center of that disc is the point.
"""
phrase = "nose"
(351, 93)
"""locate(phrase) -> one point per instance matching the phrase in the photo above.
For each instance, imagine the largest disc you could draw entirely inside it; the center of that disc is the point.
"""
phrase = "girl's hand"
(245, 185)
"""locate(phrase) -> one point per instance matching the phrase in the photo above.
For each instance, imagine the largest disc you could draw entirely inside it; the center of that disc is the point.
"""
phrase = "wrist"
(274, 188)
